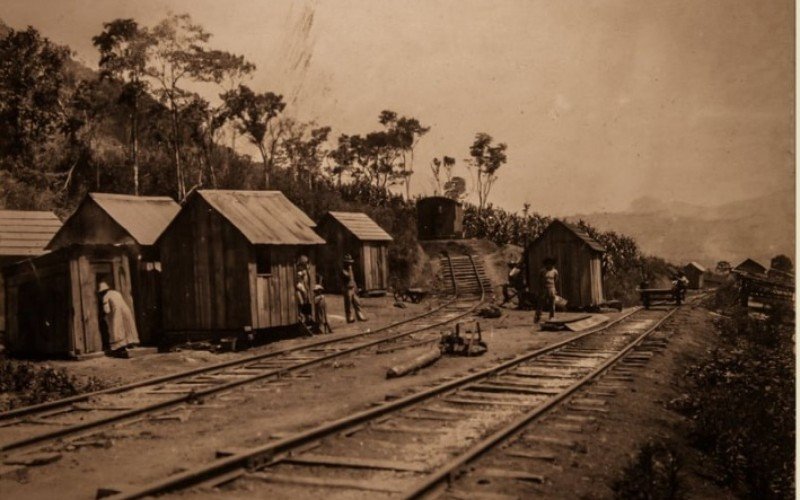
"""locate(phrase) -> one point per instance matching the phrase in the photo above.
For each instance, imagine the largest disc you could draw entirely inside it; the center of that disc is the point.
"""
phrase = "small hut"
(23, 234)
(750, 266)
(133, 223)
(694, 273)
(354, 233)
(229, 262)
(53, 306)
(578, 260)
(440, 218)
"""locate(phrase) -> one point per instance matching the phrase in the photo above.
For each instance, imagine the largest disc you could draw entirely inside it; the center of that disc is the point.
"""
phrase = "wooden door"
(101, 271)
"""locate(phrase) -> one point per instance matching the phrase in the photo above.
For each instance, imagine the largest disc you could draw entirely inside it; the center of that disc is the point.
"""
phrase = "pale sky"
(600, 102)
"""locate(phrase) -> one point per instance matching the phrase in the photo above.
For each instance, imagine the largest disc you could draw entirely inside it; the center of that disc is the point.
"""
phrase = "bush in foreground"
(741, 403)
(652, 475)
(23, 384)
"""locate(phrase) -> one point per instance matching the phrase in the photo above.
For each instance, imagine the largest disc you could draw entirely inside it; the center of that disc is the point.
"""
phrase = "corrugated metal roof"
(582, 234)
(264, 217)
(142, 217)
(696, 266)
(362, 227)
(26, 233)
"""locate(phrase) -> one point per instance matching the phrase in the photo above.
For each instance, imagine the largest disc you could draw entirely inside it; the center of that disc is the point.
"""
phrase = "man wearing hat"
(119, 319)
(321, 311)
(349, 292)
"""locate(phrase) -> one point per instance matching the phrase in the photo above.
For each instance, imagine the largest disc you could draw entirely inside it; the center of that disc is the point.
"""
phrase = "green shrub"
(24, 384)
(652, 475)
(741, 404)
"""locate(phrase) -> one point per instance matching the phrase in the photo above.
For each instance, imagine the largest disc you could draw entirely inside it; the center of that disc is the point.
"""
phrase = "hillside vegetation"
(135, 127)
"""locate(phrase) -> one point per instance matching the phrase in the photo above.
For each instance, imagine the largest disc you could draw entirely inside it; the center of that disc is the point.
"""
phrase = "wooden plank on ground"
(511, 474)
(354, 462)
(324, 482)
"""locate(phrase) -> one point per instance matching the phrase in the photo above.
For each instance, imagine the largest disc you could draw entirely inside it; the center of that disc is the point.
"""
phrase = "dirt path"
(250, 416)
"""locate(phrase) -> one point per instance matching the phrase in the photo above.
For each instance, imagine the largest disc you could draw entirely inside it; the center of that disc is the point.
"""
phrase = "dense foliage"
(652, 475)
(624, 265)
(741, 403)
(139, 126)
(30, 384)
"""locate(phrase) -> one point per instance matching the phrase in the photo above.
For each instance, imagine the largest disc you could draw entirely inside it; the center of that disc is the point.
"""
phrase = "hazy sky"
(600, 102)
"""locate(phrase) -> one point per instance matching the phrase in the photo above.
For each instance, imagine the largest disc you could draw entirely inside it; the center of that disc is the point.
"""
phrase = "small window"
(263, 261)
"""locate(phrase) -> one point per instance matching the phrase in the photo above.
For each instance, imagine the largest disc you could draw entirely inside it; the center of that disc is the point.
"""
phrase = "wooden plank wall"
(439, 219)
(371, 267)
(329, 256)
(374, 266)
(579, 267)
(275, 303)
(53, 302)
(146, 286)
(205, 273)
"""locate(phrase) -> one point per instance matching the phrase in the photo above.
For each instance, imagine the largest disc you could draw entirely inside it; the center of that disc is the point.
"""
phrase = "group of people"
(545, 297)
(305, 293)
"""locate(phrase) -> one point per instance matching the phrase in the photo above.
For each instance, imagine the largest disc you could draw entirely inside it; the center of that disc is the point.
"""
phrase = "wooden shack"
(578, 260)
(750, 266)
(132, 223)
(229, 263)
(440, 218)
(354, 233)
(53, 306)
(695, 273)
(23, 234)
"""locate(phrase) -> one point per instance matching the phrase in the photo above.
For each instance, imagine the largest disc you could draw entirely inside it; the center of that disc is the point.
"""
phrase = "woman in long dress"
(119, 318)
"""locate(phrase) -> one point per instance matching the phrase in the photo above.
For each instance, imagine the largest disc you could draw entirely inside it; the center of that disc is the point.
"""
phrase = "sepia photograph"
(384, 249)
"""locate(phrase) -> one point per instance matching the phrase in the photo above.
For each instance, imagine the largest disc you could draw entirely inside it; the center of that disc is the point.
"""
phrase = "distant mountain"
(759, 228)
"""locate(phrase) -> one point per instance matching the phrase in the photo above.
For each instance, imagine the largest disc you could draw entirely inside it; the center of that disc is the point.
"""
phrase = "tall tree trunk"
(266, 163)
(177, 153)
(135, 144)
(208, 152)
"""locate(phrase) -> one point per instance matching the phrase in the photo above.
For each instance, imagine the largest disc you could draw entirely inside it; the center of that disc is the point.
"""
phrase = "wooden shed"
(53, 306)
(23, 234)
(440, 218)
(579, 260)
(229, 263)
(354, 233)
(750, 266)
(132, 223)
(695, 274)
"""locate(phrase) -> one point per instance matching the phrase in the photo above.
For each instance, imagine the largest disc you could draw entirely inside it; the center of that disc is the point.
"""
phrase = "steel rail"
(252, 458)
(447, 472)
(195, 395)
(49, 405)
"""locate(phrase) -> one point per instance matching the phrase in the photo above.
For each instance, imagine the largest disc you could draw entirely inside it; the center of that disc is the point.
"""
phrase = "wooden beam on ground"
(353, 462)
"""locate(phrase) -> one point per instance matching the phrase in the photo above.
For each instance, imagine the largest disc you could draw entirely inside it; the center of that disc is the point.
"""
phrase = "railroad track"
(71, 421)
(414, 446)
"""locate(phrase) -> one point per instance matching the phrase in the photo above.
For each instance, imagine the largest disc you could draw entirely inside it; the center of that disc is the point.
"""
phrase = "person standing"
(548, 280)
(303, 289)
(321, 311)
(352, 306)
(118, 316)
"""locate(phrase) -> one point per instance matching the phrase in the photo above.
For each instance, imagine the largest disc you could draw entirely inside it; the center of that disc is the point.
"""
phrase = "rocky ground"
(251, 415)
